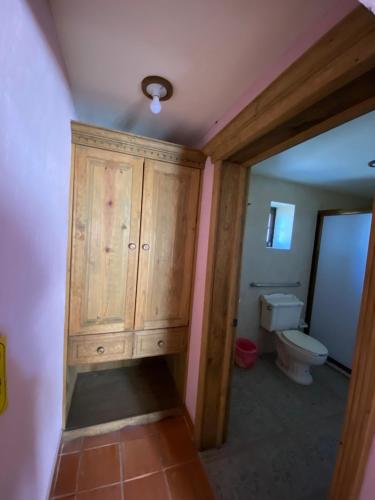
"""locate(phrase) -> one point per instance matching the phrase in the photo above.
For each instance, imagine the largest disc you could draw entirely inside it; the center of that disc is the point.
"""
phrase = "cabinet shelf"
(116, 394)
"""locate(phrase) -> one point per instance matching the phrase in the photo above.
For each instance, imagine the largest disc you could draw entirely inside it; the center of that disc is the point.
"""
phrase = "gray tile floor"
(282, 438)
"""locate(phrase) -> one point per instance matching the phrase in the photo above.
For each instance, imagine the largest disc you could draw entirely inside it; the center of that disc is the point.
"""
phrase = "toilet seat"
(304, 342)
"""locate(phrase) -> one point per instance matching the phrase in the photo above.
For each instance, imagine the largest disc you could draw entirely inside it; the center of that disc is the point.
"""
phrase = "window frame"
(271, 226)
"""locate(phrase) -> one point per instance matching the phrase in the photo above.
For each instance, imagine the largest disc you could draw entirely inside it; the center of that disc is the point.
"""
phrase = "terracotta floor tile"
(176, 423)
(137, 432)
(189, 482)
(106, 493)
(141, 456)
(99, 467)
(152, 487)
(71, 445)
(101, 440)
(176, 444)
(67, 475)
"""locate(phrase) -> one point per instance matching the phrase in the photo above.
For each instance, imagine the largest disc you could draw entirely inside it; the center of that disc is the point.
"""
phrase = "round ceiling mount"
(371, 164)
(158, 89)
(158, 80)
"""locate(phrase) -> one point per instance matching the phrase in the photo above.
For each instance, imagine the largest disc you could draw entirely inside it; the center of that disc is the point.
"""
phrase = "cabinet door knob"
(146, 246)
(160, 343)
(132, 246)
(100, 350)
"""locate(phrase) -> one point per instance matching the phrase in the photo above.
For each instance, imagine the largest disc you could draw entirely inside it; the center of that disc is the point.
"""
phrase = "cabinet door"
(169, 213)
(105, 241)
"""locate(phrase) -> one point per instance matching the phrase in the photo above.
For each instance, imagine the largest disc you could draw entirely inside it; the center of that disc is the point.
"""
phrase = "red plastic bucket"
(246, 353)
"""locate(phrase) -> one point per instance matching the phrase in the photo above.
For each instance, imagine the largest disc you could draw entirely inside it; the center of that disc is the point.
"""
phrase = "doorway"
(282, 438)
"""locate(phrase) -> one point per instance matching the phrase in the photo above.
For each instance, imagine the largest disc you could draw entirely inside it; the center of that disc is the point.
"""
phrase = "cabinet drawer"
(100, 348)
(157, 342)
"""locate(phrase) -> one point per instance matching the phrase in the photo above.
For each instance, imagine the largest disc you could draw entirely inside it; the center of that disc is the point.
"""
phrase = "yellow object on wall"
(3, 384)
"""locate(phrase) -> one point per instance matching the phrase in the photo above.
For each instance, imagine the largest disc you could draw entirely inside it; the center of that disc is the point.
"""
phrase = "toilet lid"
(305, 342)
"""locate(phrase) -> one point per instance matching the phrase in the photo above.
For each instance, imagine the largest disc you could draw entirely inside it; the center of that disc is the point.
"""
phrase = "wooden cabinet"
(134, 217)
(169, 213)
(105, 241)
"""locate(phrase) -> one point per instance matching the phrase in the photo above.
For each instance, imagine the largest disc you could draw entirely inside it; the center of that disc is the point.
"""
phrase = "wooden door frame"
(333, 82)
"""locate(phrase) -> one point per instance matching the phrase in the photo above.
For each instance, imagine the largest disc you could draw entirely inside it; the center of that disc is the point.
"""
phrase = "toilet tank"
(280, 311)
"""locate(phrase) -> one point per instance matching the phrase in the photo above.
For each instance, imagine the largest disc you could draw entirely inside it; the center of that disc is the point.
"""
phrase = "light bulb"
(155, 105)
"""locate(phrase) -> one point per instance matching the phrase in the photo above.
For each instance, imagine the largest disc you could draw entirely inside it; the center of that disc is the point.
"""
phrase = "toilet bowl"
(296, 353)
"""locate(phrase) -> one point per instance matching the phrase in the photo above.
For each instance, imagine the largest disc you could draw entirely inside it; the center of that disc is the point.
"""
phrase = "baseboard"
(338, 367)
(189, 421)
(54, 469)
(116, 425)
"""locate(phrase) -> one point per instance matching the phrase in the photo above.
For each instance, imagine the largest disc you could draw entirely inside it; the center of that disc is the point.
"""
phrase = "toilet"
(296, 351)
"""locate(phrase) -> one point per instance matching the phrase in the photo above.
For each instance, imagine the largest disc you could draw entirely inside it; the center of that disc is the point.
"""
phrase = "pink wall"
(35, 109)
(336, 13)
(199, 288)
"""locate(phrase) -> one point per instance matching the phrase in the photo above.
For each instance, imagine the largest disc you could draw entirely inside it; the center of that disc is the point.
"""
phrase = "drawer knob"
(160, 343)
(132, 246)
(146, 246)
(100, 350)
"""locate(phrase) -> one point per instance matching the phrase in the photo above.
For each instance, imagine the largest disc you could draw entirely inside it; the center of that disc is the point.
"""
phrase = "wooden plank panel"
(220, 334)
(233, 297)
(350, 101)
(106, 220)
(169, 218)
(345, 53)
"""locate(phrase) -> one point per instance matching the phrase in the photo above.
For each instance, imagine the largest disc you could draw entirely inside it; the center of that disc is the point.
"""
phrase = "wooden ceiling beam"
(353, 100)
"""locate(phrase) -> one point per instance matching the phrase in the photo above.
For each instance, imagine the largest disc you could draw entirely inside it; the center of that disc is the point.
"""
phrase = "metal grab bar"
(255, 284)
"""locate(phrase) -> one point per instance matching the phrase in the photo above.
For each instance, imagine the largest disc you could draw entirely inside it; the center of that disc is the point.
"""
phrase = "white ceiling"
(211, 51)
(335, 160)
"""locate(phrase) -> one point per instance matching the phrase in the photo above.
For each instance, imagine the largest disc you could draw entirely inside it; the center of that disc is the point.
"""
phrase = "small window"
(280, 225)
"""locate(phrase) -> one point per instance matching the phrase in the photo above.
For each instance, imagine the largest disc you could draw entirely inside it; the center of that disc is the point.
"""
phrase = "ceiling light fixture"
(371, 164)
(158, 89)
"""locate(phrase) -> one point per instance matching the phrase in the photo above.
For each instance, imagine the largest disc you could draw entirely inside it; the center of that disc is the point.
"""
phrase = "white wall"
(263, 264)
(339, 283)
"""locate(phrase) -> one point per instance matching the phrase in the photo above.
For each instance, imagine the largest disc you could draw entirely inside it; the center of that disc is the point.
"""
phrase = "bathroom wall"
(35, 113)
(263, 264)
